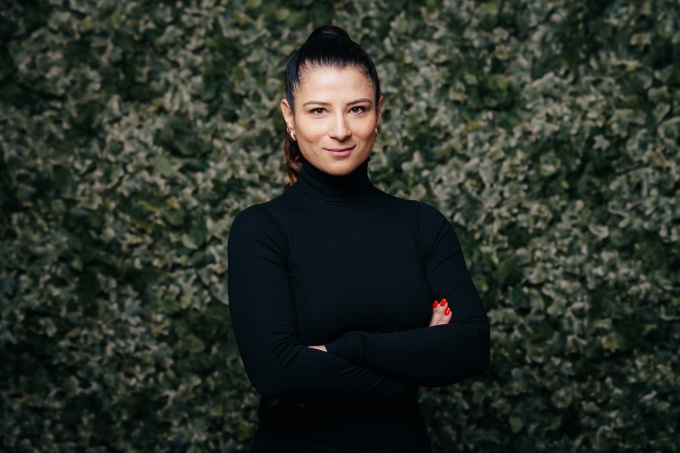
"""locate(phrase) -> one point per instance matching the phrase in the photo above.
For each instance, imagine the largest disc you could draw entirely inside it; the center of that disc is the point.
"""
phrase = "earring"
(376, 131)
(291, 134)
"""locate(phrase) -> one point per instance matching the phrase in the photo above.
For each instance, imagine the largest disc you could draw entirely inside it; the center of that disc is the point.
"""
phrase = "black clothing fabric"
(335, 261)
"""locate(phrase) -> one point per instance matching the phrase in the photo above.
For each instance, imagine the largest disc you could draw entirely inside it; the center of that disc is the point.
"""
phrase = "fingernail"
(443, 302)
(435, 304)
(447, 311)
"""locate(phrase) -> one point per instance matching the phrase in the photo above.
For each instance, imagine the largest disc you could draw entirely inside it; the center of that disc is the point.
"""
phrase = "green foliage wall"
(132, 133)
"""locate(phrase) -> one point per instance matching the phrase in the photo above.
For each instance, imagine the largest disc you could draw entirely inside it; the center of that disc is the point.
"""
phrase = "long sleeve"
(430, 356)
(264, 320)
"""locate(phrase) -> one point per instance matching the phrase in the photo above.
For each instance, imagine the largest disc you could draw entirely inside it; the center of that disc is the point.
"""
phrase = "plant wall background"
(132, 133)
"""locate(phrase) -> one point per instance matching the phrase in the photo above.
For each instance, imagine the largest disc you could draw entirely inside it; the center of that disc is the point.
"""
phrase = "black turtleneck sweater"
(334, 261)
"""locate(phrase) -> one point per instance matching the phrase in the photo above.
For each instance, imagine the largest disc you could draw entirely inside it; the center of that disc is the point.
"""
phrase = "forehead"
(327, 83)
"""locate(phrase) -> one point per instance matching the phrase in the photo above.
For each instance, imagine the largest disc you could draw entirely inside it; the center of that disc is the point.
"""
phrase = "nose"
(339, 128)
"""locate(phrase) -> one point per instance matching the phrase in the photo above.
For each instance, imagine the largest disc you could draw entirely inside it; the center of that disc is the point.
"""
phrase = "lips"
(340, 152)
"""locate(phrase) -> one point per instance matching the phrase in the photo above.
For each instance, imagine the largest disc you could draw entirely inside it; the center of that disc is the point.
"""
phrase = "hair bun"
(329, 31)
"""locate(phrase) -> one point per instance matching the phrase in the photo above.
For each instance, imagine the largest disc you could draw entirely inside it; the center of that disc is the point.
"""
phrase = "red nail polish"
(447, 311)
(435, 304)
(443, 302)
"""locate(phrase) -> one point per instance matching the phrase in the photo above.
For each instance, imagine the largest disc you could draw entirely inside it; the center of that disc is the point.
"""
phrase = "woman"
(331, 284)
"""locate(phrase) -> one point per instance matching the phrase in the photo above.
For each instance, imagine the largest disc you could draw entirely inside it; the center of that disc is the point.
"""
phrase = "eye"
(317, 111)
(358, 109)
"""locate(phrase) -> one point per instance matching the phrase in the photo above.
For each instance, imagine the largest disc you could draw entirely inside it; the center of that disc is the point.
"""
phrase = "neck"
(345, 188)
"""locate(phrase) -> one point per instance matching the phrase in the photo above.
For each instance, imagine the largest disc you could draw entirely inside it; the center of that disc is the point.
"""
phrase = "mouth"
(340, 152)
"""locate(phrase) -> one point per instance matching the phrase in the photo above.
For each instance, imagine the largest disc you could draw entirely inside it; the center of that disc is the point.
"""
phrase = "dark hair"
(327, 46)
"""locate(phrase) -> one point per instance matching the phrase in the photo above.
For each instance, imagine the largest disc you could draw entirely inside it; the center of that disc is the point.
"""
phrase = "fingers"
(441, 313)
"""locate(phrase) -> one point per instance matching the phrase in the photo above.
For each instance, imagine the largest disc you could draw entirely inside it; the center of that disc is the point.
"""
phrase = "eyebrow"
(358, 101)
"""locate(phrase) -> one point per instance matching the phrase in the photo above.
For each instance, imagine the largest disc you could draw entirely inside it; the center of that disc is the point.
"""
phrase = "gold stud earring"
(291, 134)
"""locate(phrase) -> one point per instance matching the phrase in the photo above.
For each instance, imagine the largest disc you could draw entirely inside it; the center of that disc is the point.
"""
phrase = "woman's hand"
(441, 313)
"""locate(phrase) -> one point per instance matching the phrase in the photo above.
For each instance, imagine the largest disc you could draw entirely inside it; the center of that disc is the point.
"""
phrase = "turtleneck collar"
(346, 188)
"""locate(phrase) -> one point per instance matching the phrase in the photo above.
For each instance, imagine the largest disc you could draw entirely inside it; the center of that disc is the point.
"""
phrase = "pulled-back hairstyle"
(328, 47)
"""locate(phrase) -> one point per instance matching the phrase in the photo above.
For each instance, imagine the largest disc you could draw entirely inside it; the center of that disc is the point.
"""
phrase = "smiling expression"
(335, 117)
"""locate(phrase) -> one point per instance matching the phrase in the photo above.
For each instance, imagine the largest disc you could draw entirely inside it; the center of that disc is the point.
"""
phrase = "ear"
(288, 115)
(378, 109)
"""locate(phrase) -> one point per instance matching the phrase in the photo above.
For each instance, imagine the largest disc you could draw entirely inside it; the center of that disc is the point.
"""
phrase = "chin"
(341, 168)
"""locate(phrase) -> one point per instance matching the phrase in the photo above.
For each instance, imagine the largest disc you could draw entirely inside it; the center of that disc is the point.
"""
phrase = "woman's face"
(335, 117)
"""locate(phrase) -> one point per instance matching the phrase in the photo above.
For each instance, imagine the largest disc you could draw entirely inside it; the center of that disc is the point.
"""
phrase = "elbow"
(268, 386)
(482, 365)
(264, 386)
(478, 356)
(276, 378)
(484, 351)
(474, 361)
(268, 390)
(478, 338)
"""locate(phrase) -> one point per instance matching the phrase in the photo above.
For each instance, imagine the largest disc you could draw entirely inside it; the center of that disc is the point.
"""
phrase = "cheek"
(312, 131)
(366, 130)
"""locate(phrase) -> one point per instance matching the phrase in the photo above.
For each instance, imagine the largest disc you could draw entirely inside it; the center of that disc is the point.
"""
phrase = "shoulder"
(430, 226)
(429, 213)
(262, 217)
(419, 211)
(256, 233)
(251, 216)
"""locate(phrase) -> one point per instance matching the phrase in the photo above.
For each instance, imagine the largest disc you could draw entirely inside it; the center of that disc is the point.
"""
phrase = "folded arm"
(264, 321)
(430, 356)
